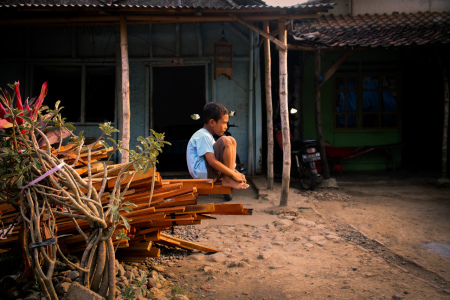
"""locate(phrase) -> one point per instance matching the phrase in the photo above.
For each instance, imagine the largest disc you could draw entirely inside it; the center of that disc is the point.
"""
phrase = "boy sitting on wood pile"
(207, 158)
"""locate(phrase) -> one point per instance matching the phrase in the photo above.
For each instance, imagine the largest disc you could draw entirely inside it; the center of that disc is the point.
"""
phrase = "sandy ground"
(375, 237)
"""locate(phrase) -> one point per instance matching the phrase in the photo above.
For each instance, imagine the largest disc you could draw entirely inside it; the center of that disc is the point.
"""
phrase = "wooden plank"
(179, 203)
(140, 212)
(177, 200)
(204, 217)
(200, 208)
(95, 168)
(148, 217)
(98, 152)
(137, 177)
(198, 183)
(230, 209)
(188, 244)
(140, 246)
(151, 230)
(171, 210)
(161, 197)
(152, 236)
(216, 190)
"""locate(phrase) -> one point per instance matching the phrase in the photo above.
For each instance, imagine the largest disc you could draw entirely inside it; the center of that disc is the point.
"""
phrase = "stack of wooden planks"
(174, 203)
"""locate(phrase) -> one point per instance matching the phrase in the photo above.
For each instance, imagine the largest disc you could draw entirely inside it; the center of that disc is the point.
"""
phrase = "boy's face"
(220, 126)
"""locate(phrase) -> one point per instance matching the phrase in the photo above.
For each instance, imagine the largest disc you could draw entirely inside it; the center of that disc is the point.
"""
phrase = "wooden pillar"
(445, 129)
(326, 170)
(125, 89)
(284, 113)
(269, 111)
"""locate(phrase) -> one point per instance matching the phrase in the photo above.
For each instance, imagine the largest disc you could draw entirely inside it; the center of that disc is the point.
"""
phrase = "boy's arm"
(217, 165)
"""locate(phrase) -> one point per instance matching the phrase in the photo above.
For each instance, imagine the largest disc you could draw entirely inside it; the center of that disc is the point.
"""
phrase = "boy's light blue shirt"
(200, 143)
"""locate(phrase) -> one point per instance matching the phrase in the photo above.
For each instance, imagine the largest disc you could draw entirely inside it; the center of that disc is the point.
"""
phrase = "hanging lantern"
(223, 58)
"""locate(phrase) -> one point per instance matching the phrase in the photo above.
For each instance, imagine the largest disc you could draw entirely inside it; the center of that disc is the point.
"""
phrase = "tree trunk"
(269, 111)
(284, 112)
(125, 90)
(445, 129)
(326, 170)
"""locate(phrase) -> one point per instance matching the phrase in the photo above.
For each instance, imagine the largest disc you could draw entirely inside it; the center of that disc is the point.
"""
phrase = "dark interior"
(178, 92)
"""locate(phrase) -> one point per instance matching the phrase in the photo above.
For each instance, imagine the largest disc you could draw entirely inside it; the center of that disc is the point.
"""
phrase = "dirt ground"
(379, 236)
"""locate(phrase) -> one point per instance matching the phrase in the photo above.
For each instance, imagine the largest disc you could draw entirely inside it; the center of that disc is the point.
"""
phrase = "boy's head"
(213, 111)
(215, 118)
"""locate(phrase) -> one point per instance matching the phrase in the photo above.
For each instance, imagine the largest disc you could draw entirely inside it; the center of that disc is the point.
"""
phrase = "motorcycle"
(306, 154)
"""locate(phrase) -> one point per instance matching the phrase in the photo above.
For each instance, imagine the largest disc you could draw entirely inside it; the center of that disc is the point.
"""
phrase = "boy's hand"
(239, 177)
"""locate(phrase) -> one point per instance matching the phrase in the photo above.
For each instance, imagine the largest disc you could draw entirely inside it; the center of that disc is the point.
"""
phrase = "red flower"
(7, 122)
(38, 104)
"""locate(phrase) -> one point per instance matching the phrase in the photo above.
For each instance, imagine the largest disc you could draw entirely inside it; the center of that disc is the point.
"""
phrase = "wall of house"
(420, 106)
(358, 7)
(150, 46)
(346, 137)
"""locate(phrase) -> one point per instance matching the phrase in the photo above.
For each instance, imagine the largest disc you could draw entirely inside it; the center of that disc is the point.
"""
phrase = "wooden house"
(145, 64)
(374, 74)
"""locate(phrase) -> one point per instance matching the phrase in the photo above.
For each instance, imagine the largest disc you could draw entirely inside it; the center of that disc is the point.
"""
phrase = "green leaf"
(26, 119)
(104, 143)
(19, 182)
(128, 203)
(125, 222)
(70, 126)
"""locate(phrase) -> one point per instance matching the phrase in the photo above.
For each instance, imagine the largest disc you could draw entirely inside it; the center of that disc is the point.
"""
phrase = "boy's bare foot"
(228, 182)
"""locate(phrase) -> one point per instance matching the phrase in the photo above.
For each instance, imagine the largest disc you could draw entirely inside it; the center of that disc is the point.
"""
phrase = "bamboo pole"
(319, 133)
(279, 43)
(284, 114)
(125, 89)
(445, 129)
(269, 111)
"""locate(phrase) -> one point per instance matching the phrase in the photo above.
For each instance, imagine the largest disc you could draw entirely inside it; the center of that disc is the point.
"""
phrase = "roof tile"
(376, 30)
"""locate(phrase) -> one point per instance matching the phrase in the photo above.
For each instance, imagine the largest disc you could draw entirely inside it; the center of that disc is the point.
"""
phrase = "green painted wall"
(359, 63)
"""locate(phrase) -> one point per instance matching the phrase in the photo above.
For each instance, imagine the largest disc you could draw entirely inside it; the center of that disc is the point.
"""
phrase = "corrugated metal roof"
(146, 4)
(394, 30)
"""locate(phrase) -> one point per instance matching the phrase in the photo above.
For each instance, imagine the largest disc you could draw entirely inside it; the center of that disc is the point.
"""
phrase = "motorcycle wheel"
(307, 179)
(228, 197)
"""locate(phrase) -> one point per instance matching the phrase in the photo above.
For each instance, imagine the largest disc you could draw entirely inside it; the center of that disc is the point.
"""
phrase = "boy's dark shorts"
(218, 154)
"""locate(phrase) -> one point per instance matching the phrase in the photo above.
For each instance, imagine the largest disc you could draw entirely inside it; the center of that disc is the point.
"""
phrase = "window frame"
(83, 78)
(360, 113)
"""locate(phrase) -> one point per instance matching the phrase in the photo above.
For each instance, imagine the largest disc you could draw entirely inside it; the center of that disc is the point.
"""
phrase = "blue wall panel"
(137, 102)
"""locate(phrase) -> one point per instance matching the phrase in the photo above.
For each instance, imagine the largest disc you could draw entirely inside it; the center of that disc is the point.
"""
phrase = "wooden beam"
(186, 244)
(301, 47)
(327, 75)
(261, 32)
(445, 126)
(269, 110)
(125, 89)
(146, 19)
(284, 113)
(319, 133)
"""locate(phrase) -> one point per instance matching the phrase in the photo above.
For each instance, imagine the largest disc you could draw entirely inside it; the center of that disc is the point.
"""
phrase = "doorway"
(178, 92)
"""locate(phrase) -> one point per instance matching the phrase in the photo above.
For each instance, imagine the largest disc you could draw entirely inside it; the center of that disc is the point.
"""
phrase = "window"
(369, 105)
(96, 95)
(345, 104)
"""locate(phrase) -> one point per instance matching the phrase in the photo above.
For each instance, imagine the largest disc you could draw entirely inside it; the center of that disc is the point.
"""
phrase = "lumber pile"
(174, 203)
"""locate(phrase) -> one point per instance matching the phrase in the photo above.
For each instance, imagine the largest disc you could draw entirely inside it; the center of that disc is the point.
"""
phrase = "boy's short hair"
(213, 110)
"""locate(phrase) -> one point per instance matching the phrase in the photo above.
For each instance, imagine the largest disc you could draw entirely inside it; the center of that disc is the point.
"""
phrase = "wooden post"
(125, 89)
(445, 129)
(326, 170)
(284, 113)
(269, 111)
